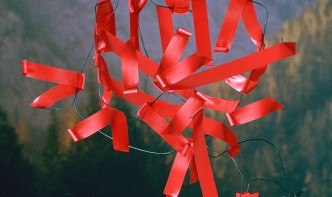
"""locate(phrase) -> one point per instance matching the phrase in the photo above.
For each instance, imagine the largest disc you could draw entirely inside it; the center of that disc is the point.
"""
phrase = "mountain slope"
(301, 130)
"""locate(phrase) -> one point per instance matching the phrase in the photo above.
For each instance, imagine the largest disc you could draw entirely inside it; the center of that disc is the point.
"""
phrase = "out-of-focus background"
(38, 158)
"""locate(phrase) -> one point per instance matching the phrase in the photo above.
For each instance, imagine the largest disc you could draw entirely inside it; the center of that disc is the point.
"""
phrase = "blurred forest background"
(38, 158)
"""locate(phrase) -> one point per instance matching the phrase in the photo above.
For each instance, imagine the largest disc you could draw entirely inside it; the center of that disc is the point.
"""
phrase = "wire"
(262, 140)
(140, 149)
(265, 22)
(272, 181)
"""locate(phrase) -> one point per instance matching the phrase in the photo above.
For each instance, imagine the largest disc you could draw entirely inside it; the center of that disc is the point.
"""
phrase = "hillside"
(302, 130)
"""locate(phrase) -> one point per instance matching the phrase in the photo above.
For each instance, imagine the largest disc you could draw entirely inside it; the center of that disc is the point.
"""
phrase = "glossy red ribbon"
(70, 82)
(247, 194)
(241, 65)
(178, 6)
(253, 111)
(106, 116)
(129, 67)
(135, 7)
(178, 172)
(202, 161)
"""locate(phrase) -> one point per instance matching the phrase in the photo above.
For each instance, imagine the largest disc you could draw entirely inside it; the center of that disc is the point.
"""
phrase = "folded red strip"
(105, 117)
(253, 111)
(69, 82)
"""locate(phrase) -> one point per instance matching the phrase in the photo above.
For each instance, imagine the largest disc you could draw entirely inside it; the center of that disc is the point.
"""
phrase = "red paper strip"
(252, 25)
(193, 172)
(241, 65)
(105, 20)
(165, 26)
(105, 16)
(184, 116)
(106, 116)
(202, 30)
(174, 49)
(129, 68)
(229, 25)
(104, 79)
(222, 132)
(210, 102)
(69, 82)
(241, 84)
(135, 7)
(181, 70)
(178, 7)
(247, 194)
(178, 172)
(253, 111)
(158, 124)
(202, 160)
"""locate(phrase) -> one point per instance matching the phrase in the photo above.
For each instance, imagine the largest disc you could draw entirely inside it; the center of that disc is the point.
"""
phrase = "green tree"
(51, 163)
(16, 173)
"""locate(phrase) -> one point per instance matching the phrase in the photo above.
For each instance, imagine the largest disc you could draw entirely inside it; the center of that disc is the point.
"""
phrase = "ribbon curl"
(174, 76)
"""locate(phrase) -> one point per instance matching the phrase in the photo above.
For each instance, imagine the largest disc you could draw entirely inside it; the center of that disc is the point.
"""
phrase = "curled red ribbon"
(253, 111)
(106, 116)
(69, 82)
(173, 75)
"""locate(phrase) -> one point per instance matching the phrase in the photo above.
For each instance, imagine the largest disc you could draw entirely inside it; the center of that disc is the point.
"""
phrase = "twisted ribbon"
(172, 75)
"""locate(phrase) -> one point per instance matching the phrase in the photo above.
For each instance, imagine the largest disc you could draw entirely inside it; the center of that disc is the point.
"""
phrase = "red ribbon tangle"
(173, 75)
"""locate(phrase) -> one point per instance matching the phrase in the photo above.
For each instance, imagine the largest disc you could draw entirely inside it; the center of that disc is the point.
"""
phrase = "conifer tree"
(16, 173)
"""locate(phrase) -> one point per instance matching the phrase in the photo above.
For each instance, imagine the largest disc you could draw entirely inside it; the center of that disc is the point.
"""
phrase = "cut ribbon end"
(37, 104)
(122, 148)
(130, 91)
(184, 32)
(234, 150)
(161, 81)
(230, 119)
(73, 135)
(221, 49)
(24, 67)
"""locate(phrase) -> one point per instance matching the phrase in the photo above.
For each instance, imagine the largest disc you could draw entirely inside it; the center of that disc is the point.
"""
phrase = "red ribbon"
(178, 6)
(129, 67)
(69, 82)
(253, 111)
(165, 26)
(178, 172)
(106, 116)
(135, 7)
(201, 157)
(241, 65)
(174, 50)
(247, 194)
(235, 10)
(229, 25)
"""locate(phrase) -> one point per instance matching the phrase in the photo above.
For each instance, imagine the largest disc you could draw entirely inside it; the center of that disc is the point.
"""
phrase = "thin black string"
(294, 194)
(257, 139)
(235, 164)
(265, 22)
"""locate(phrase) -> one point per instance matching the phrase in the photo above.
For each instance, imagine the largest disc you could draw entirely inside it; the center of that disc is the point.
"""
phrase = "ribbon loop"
(106, 116)
(70, 82)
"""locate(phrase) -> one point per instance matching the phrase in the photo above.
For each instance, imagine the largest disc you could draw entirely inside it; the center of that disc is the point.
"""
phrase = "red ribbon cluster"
(175, 76)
